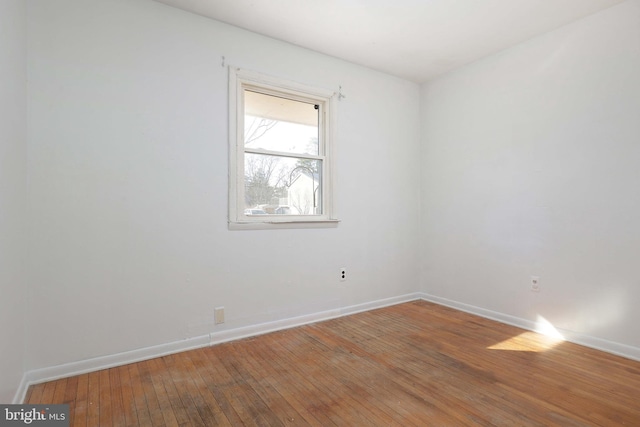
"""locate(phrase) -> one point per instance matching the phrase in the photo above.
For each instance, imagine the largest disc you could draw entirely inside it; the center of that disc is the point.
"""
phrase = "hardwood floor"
(411, 364)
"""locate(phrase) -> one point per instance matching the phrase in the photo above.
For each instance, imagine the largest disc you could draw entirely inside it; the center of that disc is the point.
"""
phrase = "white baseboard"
(21, 393)
(37, 376)
(618, 349)
(278, 325)
(493, 315)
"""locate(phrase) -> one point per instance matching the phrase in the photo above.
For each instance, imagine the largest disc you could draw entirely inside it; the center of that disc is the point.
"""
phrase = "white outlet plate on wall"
(218, 313)
(535, 284)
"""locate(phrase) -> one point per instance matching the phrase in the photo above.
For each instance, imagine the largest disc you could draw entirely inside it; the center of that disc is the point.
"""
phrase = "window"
(280, 153)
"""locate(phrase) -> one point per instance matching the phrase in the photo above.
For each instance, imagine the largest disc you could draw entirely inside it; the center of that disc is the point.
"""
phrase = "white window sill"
(275, 225)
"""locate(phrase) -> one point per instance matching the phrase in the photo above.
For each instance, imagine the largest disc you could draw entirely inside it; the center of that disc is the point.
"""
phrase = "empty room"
(302, 212)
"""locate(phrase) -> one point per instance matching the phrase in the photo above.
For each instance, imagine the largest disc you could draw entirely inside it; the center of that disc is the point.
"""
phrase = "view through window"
(282, 161)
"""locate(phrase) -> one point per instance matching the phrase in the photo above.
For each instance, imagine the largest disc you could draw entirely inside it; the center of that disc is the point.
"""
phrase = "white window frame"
(239, 80)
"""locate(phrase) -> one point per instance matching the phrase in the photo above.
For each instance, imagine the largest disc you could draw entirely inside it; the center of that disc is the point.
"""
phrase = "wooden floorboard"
(412, 364)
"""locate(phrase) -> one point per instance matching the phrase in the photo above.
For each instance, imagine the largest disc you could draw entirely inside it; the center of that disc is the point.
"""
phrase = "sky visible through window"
(280, 136)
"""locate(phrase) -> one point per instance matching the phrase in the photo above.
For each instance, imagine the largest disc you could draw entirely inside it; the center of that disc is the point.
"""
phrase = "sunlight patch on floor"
(545, 338)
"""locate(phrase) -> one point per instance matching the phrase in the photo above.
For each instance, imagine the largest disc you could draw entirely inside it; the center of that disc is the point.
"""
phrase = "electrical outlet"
(535, 284)
(218, 314)
(343, 274)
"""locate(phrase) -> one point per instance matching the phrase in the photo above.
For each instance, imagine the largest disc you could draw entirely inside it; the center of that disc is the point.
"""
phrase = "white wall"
(13, 173)
(531, 167)
(128, 148)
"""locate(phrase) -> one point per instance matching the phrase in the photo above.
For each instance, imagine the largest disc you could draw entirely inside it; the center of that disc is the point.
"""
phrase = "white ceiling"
(413, 39)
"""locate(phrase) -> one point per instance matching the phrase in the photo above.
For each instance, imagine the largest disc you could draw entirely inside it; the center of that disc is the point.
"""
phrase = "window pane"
(279, 124)
(275, 185)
